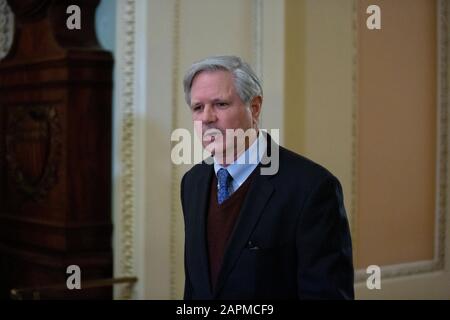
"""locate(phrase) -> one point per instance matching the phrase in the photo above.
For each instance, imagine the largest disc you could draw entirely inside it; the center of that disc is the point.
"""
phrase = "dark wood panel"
(55, 151)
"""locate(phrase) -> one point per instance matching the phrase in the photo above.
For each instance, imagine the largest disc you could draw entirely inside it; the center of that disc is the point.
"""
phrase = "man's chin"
(213, 150)
(221, 154)
(209, 147)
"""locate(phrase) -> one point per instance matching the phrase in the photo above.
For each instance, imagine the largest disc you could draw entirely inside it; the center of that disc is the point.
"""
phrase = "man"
(250, 235)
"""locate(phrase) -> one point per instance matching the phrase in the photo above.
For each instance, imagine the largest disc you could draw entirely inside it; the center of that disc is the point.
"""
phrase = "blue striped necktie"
(224, 179)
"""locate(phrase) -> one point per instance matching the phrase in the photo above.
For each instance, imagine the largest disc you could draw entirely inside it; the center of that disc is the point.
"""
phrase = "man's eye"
(222, 104)
(196, 108)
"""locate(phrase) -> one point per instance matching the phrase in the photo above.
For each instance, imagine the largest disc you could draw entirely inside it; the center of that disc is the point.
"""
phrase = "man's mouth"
(209, 138)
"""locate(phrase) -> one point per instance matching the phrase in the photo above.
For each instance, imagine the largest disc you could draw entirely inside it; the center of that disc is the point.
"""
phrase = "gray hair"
(246, 82)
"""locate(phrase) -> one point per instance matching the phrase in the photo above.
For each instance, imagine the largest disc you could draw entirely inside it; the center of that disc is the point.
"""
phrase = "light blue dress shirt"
(244, 165)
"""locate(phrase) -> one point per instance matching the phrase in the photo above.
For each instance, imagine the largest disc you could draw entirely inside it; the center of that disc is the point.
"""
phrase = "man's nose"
(208, 114)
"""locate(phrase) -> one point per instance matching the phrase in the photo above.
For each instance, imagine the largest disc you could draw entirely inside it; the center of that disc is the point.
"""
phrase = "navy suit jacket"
(291, 239)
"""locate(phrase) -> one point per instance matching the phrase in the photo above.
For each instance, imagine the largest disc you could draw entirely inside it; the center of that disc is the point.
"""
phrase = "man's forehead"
(219, 82)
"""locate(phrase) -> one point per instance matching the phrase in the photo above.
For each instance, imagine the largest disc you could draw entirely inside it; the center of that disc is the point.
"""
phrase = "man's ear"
(255, 107)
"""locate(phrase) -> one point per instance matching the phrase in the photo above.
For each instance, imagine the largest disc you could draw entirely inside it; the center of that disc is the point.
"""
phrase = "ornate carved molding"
(175, 212)
(354, 156)
(29, 10)
(33, 149)
(127, 145)
(443, 128)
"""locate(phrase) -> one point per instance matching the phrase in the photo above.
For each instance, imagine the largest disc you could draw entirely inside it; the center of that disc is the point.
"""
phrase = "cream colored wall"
(402, 119)
(319, 79)
(397, 134)
(295, 70)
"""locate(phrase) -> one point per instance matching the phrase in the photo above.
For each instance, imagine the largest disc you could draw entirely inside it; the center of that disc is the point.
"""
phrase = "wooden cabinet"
(55, 150)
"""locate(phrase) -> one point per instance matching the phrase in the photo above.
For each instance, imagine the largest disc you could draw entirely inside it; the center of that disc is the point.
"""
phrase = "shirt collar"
(244, 165)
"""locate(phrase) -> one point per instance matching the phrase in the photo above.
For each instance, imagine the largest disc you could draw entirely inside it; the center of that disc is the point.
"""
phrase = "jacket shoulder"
(302, 169)
(198, 170)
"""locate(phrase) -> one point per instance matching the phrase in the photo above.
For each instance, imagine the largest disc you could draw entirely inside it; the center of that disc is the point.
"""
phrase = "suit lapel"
(259, 193)
(199, 244)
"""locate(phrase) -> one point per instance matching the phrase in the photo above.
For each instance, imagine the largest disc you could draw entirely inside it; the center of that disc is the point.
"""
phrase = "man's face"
(215, 104)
